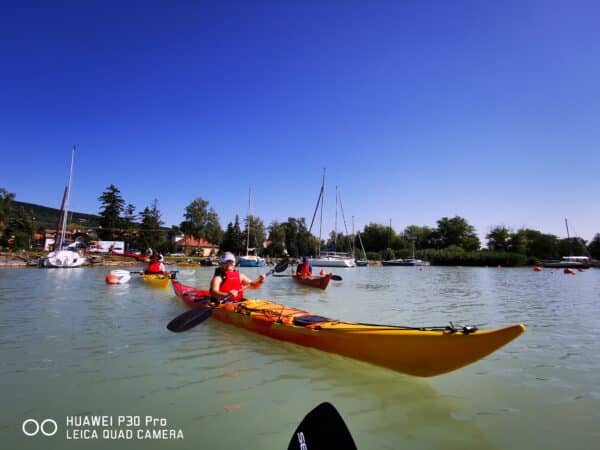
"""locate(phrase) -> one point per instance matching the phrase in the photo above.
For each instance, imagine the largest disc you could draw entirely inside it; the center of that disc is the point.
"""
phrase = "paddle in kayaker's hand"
(322, 429)
(190, 319)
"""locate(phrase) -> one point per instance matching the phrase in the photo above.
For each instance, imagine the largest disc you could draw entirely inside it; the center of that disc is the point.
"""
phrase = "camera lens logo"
(31, 427)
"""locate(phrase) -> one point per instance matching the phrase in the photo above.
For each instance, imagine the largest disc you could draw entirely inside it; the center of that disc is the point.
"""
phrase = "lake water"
(70, 345)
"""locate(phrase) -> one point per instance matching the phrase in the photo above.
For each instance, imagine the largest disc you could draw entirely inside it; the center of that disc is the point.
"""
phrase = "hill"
(48, 217)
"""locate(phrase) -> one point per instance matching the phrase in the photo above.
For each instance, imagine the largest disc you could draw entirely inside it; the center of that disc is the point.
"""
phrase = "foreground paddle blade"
(281, 266)
(336, 278)
(189, 319)
(322, 429)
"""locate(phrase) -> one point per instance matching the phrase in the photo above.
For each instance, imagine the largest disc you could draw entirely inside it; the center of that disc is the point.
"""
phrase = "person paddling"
(304, 268)
(227, 280)
(156, 265)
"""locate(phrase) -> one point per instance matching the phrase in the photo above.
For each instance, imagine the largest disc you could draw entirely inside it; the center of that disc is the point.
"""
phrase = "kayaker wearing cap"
(227, 280)
(304, 267)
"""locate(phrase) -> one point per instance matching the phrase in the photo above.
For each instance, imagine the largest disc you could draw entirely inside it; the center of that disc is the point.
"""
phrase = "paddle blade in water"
(189, 319)
(336, 278)
(322, 429)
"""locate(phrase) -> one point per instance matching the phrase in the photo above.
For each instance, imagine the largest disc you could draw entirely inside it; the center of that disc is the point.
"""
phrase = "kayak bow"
(422, 352)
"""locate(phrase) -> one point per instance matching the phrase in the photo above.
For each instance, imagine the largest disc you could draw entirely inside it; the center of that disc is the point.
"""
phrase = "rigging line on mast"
(344, 220)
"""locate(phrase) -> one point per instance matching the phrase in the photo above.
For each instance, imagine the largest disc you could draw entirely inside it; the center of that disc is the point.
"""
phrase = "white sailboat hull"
(331, 261)
(63, 259)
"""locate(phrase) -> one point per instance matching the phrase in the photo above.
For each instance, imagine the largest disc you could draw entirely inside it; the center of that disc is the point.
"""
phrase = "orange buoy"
(537, 269)
(112, 279)
(569, 272)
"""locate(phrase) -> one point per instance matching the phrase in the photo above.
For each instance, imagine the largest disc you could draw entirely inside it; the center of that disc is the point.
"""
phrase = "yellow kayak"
(160, 280)
(422, 352)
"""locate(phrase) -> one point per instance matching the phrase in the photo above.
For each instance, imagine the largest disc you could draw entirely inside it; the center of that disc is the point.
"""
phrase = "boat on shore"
(418, 351)
(69, 257)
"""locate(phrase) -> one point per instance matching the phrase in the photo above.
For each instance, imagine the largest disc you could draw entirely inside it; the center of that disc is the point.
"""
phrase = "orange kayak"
(418, 351)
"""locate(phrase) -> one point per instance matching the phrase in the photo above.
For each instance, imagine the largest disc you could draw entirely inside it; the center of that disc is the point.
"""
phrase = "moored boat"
(251, 261)
(70, 257)
(408, 262)
(320, 282)
(415, 351)
(333, 259)
(569, 262)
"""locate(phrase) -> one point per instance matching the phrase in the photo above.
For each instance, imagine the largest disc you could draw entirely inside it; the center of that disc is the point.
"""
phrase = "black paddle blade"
(322, 429)
(336, 278)
(281, 266)
(189, 319)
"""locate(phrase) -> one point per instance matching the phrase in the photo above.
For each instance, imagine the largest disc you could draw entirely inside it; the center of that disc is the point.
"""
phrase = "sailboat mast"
(353, 239)
(567, 226)
(335, 223)
(321, 215)
(248, 222)
(63, 228)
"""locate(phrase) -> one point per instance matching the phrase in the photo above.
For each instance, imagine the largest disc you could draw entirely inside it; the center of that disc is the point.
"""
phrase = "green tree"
(424, 237)
(257, 233)
(202, 222)
(457, 231)
(298, 240)
(518, 243)
(129, 218)
(151, 234)
(376, 237)
(19, 229)
(594, 247)
(112, 205)
(498, 239)
(540, 245)
(572, 247)
(6, 199)
(233, 239)
(276, 239)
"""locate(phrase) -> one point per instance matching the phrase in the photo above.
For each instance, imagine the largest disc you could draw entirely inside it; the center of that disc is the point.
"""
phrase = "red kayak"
(313, 280)
(131, 255)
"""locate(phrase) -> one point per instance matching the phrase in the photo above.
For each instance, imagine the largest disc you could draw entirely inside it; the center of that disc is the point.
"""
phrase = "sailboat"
(250, 260)
(69, 257)
(569, 262)
(330, 258)
(360, 262)
(407, 262)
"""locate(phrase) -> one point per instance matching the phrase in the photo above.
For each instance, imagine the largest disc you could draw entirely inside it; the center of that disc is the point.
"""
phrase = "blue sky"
(418, 109)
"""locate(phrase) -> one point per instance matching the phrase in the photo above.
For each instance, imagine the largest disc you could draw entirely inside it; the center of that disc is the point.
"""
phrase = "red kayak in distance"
(320, 282)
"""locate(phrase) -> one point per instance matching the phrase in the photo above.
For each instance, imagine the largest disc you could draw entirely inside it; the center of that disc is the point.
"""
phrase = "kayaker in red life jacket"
(304, 268)
(156, 264)
(227, 280)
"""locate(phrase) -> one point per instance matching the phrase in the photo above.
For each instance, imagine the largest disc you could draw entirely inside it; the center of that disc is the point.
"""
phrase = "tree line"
(452, 241)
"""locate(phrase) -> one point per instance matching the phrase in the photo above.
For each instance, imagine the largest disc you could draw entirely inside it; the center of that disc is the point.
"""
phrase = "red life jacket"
(231, 281)
(303, 269)
(154, 267)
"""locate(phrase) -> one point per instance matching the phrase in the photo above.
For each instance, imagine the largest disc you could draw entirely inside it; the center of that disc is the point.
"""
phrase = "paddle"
(193, 317)
(172, 272)
(322, 429)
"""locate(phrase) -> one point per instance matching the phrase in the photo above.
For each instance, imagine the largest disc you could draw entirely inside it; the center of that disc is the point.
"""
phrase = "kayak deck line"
(410, 350)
